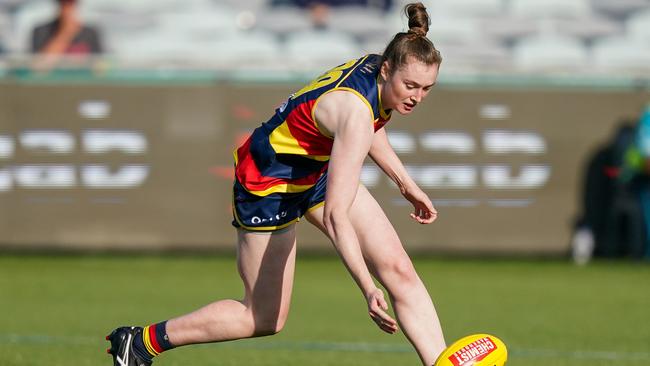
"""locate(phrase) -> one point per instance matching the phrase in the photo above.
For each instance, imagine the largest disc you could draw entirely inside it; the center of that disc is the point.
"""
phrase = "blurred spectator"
(616, 197)
(66, 35)
(594, 235)
(635, 175)
(319, 10)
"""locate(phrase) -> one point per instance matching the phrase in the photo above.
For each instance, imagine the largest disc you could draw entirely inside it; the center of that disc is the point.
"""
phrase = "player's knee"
(269, 326)
(269, 320)
(401, 271)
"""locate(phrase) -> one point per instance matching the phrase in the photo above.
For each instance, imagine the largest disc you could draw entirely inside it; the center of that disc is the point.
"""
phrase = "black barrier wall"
(122, 167)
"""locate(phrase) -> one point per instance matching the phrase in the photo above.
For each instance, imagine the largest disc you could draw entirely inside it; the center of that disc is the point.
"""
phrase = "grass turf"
(57, 310)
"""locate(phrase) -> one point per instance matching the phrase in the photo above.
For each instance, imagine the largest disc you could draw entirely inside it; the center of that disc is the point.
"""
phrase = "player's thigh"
(380, 244)
(378, 239)
(266, 263)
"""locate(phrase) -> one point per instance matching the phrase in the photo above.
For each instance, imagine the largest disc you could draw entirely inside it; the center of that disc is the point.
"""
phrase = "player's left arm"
(383, 154)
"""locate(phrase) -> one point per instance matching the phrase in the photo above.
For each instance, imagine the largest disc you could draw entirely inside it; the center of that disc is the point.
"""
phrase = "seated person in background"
(635, 175)
(636, 161)
(65, 35)
(616, 198)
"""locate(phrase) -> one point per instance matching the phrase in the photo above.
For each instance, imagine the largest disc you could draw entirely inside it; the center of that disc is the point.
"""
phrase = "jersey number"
(327, 78)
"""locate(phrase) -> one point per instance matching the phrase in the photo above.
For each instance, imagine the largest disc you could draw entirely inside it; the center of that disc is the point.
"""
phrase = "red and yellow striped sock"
(155, 339)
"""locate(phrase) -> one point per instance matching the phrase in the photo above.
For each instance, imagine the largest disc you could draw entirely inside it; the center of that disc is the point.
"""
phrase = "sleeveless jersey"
(288, 153)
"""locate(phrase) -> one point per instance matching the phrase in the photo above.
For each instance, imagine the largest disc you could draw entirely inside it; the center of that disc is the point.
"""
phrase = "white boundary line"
(530, 353)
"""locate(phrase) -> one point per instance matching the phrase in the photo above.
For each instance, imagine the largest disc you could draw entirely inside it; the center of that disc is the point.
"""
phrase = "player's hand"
(423, 210)
(377, 308)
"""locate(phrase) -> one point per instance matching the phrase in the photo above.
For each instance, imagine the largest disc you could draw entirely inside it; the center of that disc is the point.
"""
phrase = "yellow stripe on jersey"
(363, 99)
(382, 113)
(283, 188)
(318, 205)
(337, 87)
(283, 142)
(329, 77)
(235, 156)
(350, 72)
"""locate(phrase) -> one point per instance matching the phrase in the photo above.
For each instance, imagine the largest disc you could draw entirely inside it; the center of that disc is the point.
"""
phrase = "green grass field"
(57, 310)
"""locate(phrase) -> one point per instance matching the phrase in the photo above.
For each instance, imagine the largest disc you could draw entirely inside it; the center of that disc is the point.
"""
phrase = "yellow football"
(474, 350)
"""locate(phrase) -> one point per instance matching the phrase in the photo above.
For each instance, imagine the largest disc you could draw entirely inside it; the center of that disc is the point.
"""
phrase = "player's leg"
(390, 264)
(266, 263)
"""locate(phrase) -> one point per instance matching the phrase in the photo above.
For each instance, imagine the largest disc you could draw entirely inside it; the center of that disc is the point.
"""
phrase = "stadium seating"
(362, 23)
(485, 35)
(619, 8)
(219, 23)
(465, 7)
(283, 20)
(5, 28)
(550, 8)
(374, 46)
(474, 56)
(444, 29)
(251, 5)
(550, 53)
(149, 47)
(26, 18)
(248, 49)
(320, 49)
(621, 54)
(7, 6)
(588, 28)
(144, 6)
(507, 28)
(638, 26)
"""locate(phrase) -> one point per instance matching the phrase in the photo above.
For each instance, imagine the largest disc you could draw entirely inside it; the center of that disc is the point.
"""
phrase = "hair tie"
(417, 31)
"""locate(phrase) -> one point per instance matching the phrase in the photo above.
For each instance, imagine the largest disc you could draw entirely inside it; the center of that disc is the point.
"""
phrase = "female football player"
(306, 161)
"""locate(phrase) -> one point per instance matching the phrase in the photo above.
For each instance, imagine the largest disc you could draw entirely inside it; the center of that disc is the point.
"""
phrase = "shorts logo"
(256, 220)
(475, 351)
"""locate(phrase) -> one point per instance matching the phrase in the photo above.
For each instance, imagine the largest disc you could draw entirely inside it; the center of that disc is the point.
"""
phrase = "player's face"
(405, 87)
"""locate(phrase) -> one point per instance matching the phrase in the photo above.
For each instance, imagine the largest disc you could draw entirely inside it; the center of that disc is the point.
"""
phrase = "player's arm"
(383, 154)
(348, 119)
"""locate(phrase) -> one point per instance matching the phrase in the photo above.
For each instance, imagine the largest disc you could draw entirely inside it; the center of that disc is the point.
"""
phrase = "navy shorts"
(277, 210)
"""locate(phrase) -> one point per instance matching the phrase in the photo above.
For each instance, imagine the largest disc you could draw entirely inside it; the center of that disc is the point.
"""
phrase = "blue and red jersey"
(289, 152)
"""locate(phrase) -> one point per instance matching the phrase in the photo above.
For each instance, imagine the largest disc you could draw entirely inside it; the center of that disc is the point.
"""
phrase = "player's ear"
(385, 70)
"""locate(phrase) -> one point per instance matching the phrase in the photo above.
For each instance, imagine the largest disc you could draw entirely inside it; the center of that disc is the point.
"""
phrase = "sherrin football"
(475, 350)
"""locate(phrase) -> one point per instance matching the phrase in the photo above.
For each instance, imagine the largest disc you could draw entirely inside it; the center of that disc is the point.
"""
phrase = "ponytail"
(418, 19)
(413, 43)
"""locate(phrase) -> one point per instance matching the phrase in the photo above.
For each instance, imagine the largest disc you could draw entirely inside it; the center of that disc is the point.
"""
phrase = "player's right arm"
(349, 120)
